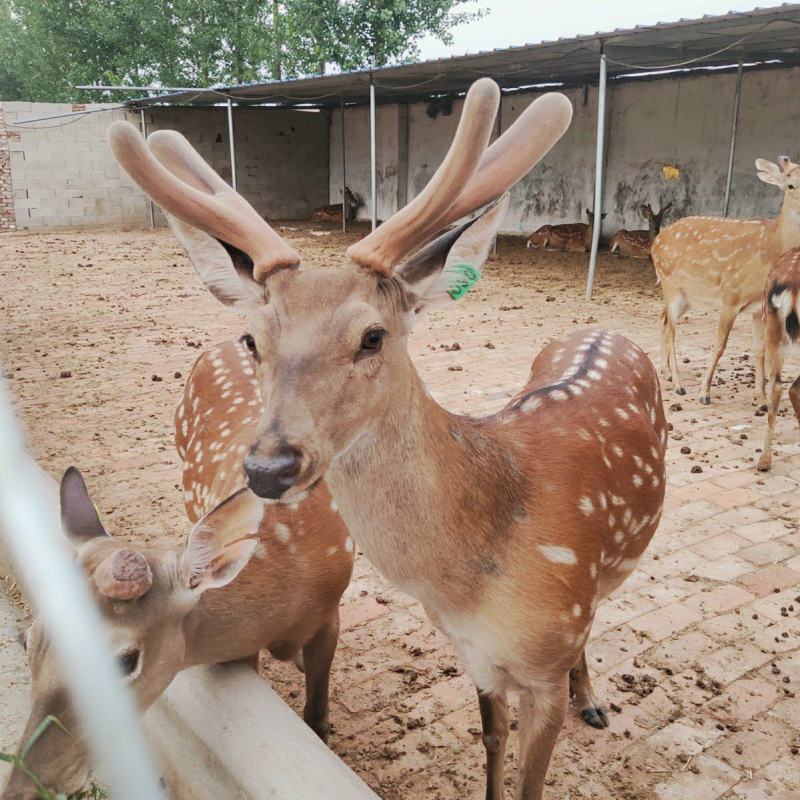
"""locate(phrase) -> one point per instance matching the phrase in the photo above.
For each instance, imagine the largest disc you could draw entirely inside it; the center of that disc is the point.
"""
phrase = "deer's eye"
(128, 661)
(372, 340)
(250, 343)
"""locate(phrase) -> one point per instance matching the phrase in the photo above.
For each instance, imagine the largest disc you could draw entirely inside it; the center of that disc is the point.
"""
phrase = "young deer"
(572, 236)
(638, 243)
(333, 213)
(290, 565)
(509, 529)
(781, 315)
(722, 264)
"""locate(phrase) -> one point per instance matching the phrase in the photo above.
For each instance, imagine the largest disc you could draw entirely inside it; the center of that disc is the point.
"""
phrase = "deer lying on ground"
(573, 236)
(509, 529)
(781, 316)
(637, 244)
(248, 577)
(333, 213)
(722, 264)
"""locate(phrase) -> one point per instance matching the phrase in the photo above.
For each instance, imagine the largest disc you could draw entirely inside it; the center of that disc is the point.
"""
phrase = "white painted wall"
(677, 121)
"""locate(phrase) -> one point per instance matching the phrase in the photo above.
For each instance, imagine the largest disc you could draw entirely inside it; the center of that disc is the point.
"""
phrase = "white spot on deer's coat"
(586, 505)
(576, 610)
(531, 404)
(282, 532)
(558, 555)
(348, 544)
(637, 479)
(332, 551)
(334, 507)
(558, 394)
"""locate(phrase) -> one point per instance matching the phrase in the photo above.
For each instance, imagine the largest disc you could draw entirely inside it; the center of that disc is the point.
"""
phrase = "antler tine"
(382, 249)
(176, 177)
(514, 154)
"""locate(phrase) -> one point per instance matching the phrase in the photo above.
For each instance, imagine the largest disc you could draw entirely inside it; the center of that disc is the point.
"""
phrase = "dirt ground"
(698, 655)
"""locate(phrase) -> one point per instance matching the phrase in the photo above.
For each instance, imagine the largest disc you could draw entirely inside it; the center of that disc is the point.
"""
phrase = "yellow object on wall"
(670, 173)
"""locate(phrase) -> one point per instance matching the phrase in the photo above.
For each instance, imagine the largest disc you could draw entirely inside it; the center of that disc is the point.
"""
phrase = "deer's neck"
(431, 497)
(787, 229)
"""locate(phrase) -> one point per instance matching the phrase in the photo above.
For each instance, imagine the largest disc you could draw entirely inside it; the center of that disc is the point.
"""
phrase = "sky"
(516, 22)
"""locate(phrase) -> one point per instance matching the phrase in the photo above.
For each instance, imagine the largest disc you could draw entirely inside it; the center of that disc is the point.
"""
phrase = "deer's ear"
(646, 211)
(447, 268)
(222, 542)
(226, 271)
(79, 517)
(769, 172)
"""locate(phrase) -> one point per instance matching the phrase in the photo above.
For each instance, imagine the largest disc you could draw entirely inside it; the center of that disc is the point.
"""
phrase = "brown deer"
(333, 213)
(780, 308)
(637, 244)
(573, 237)
(248, 577)
(509, 529)
(722, 264)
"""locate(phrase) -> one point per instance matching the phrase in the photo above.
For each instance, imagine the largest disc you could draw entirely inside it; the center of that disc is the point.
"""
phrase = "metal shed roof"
(761, 35)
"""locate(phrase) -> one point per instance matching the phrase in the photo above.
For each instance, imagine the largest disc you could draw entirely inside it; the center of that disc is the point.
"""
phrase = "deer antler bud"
(124, 575)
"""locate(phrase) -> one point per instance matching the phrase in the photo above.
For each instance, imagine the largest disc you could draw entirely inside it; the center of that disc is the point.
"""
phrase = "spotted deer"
(637, 244)
(780, 308)
(572, 236)
(248, 576)
(509, 528)
(721, 264)
(333, 213)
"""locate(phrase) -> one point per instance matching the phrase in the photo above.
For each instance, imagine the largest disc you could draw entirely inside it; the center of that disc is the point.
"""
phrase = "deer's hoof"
(764, 464)
(681, 391)
(595, 716)
(705, 399)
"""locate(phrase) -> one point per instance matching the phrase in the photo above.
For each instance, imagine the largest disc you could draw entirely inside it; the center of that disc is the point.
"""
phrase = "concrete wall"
(65, 174)
(678, 121)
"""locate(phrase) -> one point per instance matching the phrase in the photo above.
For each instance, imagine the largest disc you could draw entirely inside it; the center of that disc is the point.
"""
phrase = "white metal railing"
(31, 529)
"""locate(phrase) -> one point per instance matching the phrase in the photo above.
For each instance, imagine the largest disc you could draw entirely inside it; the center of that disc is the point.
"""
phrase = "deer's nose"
(271, 477)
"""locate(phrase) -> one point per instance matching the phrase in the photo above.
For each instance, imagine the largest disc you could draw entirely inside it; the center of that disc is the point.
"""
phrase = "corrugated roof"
(760, 35)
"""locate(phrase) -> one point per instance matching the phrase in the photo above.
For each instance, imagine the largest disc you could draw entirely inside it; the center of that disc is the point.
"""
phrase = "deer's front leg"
(759, 355)
(317, 659)
(794, 397)
(541, 715)
(494, 721)
(774, 391)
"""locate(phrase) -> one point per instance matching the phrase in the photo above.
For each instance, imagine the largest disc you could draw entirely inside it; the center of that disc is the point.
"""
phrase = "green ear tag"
(462, 278)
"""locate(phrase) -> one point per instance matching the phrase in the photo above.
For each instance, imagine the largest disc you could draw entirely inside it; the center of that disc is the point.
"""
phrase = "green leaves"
(49, 46)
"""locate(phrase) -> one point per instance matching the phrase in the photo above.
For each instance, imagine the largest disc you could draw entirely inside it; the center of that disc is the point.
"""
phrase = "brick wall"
(65, 174)
(7, 213)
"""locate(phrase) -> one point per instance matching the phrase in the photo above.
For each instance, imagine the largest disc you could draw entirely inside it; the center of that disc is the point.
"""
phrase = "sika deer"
(722, 264)
(508, 529)
(637, 244)
(333, 213)
(781, 315)
(160, 613)
(572, 237)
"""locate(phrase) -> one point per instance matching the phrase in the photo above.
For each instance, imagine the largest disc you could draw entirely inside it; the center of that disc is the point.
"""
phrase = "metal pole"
(344, 171)
(732, 151)
(151, 215)
(598, 173)
(30, 526)
(373, 175)
(499, 134)
(231, 145)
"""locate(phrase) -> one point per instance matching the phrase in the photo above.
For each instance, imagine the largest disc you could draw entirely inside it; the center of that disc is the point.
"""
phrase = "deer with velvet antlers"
(247, 578)
(510, 528)
(722, 264)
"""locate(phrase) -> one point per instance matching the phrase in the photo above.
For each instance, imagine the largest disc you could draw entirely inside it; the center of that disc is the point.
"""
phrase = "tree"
(49, 46)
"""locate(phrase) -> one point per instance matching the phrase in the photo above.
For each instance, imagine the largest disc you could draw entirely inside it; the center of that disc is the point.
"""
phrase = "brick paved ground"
(699, 651)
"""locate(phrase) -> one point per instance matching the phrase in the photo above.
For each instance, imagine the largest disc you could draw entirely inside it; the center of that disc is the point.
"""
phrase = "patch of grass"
(94, 792)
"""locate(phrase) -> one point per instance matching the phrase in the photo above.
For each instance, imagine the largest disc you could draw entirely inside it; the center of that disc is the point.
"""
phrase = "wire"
(75, 117)
(703, 57)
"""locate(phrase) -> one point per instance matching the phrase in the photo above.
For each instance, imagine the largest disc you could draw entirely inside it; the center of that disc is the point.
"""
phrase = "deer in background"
(722, 264)
(573, 237)
(333, 213)
(509, 529)
(638, 243)
(781, 316)
(248, 577)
